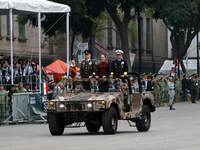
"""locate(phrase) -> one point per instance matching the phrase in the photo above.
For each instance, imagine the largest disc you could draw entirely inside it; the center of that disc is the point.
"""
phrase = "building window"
(21, 31)
(8, 25)
(147, 33)
(141, 28)
(117, 38)
(109, 33)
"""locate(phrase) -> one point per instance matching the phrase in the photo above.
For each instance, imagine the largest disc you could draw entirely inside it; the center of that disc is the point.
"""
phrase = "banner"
(98, 52)
(132, 58)
(76, 46)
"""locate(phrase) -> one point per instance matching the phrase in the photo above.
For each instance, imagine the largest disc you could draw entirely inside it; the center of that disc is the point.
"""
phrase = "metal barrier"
(20, 108)
(27, 107)
(31, 79)
(3, 110)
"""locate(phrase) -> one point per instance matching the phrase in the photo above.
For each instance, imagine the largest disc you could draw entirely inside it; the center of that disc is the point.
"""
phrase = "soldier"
(192, 83)
(198, 90)
(20, 89)
(171, 93)
(88, 68)
(162, 89)
(167, 89)
(119, 67)
(156, 93)
(177, 89)
(3, 101)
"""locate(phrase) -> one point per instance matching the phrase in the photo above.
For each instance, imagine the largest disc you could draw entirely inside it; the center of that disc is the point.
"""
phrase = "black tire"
(110, 121)
(92, 128)
(56, 126)
(144, 125)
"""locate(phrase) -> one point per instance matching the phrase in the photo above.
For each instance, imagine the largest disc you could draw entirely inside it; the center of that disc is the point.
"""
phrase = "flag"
(176, 63)
(45, 89)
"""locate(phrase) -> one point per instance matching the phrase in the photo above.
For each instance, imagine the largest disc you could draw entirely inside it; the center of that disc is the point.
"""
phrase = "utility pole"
(198, 53)
(139, 41)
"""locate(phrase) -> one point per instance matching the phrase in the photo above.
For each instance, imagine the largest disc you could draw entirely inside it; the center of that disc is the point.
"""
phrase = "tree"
(116, 9)
(79, 22)
(178, 16)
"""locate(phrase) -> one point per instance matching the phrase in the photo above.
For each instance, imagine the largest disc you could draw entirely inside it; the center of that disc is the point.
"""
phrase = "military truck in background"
(96, 109)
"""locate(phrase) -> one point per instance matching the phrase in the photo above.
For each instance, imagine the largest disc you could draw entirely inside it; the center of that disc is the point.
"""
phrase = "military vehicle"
(95, 109)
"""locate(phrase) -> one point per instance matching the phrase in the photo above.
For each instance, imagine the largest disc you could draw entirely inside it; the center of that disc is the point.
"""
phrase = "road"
(170, 130)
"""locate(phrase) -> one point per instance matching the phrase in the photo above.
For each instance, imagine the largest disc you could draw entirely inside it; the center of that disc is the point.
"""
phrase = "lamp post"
(198, 53)
(139, 41)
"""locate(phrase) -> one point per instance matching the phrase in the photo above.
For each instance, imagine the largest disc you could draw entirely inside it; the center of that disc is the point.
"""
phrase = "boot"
(171, 108)
(167, 104)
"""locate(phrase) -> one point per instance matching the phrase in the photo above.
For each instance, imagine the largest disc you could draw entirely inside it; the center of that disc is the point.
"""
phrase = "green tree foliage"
(120, 12)
(178, 16)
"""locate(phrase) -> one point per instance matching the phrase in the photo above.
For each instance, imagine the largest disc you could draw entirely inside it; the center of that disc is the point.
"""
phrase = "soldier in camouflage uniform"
(156, 93)
(162, 89)
(3, 101)
(198, 90)
(177, 89)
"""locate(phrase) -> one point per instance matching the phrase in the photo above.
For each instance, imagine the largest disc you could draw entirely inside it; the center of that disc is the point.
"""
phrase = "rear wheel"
(110, 121)
(144, 124)
(92, 128)
(56, 126)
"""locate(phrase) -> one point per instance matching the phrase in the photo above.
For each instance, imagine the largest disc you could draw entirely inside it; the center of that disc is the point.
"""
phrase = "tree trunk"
(183, 66)
(124, 42)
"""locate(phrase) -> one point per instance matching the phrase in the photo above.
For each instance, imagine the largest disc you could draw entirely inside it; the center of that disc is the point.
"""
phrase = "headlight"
(62, 107)
(89, 106)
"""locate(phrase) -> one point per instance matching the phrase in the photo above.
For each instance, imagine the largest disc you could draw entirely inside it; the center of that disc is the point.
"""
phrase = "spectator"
(34, 77)
(51, 85)
(10, 94)
(20, 88)
(0, 74)
(185, 85)
(28, 71)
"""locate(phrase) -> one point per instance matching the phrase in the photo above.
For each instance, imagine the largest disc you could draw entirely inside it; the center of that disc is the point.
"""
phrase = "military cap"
(110, 83)
(78, 83)
(161, 73)
(170, 78)
(196, 74)
(1, 84)
(57, 80)
(12, 85)
(184, 75)
(20, 83)
(27, 84)
(87, 52)
(119, 52)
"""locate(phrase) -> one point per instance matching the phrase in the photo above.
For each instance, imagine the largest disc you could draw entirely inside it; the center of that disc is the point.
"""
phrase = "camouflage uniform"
(162, 89)
(3, 101)
(156, 91)
(198, 90)
(22, 90)
(177, 90)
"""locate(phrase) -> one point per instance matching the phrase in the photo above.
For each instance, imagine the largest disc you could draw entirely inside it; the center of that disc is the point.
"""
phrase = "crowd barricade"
(3, 108)
(32, 80)
(35, 107)
(20, 111)
(27, 107)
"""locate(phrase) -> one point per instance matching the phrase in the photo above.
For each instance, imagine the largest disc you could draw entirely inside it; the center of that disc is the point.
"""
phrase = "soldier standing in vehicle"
(171, 93)
(88, 68)
(119, 67)
(177, 89)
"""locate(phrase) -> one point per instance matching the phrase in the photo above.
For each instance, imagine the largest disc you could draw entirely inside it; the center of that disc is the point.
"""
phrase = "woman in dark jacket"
(103, 71)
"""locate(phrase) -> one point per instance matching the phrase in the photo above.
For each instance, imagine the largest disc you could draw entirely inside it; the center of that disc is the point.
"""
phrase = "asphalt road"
(170, 130)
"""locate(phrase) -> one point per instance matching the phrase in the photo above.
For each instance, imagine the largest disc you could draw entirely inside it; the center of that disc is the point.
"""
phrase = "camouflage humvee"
(101, 109)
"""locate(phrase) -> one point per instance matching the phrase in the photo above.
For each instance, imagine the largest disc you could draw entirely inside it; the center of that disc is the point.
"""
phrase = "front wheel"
(92, 128)
(56, 126)
(110, 121)
(144, 124)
